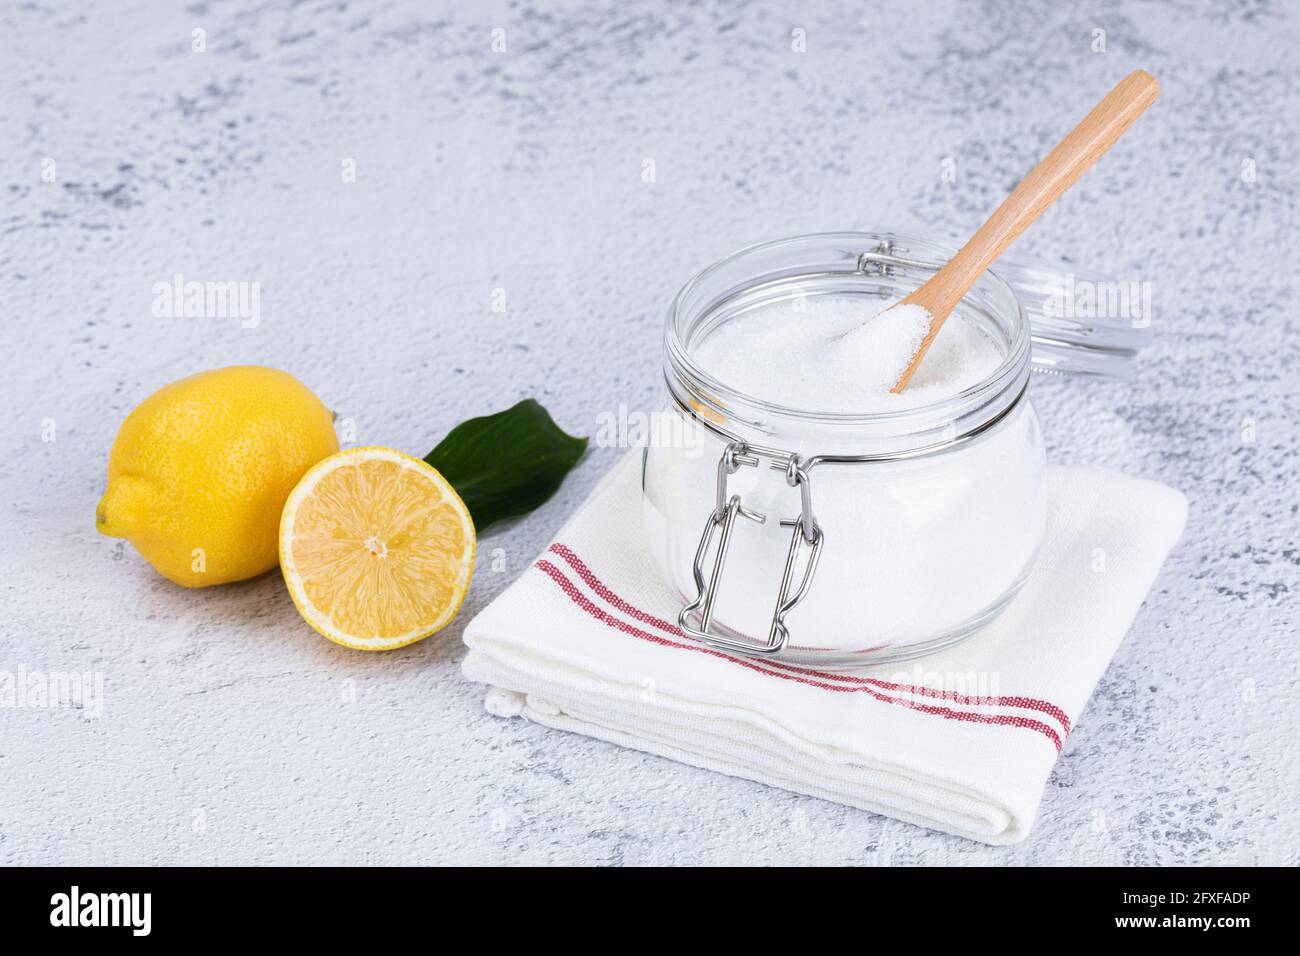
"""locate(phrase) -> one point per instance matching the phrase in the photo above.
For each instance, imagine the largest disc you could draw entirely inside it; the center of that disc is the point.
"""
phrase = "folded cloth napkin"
(586, 641)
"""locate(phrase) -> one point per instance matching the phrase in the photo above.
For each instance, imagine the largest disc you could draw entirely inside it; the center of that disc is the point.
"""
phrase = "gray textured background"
(226, 736)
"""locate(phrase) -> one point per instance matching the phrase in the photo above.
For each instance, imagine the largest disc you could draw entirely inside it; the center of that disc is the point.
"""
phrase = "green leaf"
(507, 464)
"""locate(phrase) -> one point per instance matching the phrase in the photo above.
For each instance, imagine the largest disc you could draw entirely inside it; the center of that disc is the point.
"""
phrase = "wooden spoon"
(1058, 171)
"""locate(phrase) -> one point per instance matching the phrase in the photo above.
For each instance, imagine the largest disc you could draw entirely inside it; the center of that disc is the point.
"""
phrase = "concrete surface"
(229, 733)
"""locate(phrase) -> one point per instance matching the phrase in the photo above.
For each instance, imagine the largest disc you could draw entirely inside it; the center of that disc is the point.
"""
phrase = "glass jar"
(842, 539)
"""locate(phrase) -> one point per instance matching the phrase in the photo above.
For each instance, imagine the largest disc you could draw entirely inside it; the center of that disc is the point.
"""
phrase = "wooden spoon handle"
(1058, 171)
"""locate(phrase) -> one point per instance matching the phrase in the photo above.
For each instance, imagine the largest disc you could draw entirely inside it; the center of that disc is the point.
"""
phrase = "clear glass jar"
(846, 538)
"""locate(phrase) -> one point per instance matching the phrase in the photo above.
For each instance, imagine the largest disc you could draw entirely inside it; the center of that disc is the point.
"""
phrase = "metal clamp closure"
(806, 535)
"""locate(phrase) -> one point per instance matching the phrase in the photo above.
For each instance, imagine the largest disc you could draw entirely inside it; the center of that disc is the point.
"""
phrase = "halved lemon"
(377, 549)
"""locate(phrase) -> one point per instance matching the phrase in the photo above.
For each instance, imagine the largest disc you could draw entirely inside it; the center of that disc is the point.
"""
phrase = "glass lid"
(1080, 323)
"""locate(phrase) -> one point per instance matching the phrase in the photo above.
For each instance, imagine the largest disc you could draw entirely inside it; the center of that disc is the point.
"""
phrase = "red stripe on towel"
(582, 601)
(1024, 703)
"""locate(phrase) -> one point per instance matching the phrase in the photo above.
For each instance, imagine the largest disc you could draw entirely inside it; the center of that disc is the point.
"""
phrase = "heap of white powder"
(832, 354)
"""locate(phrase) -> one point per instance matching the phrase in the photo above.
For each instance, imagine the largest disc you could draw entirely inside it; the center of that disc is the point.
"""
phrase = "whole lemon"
(201, 469)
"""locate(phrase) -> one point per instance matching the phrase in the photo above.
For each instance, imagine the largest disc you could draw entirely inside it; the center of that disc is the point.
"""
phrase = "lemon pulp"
(377, 549)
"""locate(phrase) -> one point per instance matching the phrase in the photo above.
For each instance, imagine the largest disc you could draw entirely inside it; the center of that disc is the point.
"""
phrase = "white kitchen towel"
(586, 641)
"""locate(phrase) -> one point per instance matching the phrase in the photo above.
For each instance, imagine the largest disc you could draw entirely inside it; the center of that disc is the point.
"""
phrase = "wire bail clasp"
(806, 535)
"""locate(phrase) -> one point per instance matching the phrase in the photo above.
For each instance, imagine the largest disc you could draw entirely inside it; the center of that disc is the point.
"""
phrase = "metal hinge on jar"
(806, 535)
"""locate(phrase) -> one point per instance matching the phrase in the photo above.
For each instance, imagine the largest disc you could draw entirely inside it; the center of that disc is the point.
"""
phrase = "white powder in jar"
(916, 550)
(838, 354)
